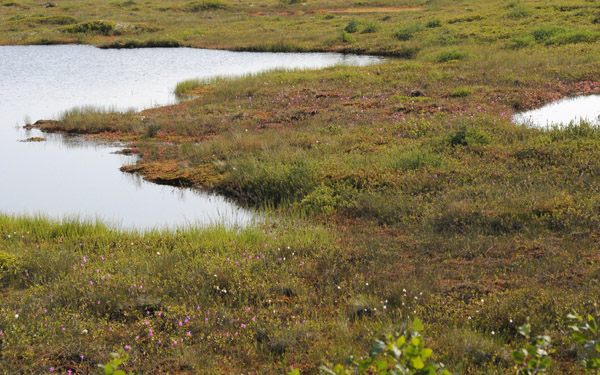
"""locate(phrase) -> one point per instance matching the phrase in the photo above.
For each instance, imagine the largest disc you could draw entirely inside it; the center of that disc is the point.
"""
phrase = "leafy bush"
(133, 43)
(124, 4)
(545, 32)
(433, 23)
(573, 36)
(323, 199)
(57, 20)
(199, 6)
(406, 32)
(585, 331)
(534, 358)
(465, 136)
(352, 26)
(345, 37)
(416, 159)
(450, 55)
(112, 367)
(521, 41)
(406, 354)
(467, 18)
(371, 27)
(517, 10)
(9, 267)
(461, 92)
(92, 27)
(405, 52)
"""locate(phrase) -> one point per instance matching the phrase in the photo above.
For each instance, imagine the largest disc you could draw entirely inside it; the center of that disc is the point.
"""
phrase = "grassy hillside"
(401, 189)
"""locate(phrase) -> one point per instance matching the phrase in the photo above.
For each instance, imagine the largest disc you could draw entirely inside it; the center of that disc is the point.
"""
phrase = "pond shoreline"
(408, 53)
(169, 175)
(70, 165)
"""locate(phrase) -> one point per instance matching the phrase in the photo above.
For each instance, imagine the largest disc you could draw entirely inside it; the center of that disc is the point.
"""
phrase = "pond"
(562, 112)
(70, 177)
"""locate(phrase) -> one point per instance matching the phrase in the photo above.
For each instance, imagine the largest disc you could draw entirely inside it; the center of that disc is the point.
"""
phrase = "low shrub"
(545, 32)
(403, 354)
(433, 23)
(9, 268)
(464, 136)
(450, 55)
(416, 159)
(92, 27)
(371, 27)
(351, 27)
(406, 32)
(200, 6)
(461, 92)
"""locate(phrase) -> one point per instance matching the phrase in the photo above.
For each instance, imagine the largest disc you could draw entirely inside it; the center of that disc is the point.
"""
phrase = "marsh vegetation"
(401, 189)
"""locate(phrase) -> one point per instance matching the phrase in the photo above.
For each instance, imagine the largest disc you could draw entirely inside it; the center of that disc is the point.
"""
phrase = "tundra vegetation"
(400, 189)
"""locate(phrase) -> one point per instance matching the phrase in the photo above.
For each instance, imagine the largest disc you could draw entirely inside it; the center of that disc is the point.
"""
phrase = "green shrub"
(345, 37)
(351, 27)
(461, 92)
(57, 20)
(371, 27)
(585, 331)
(406, 32)
(450, 55)
(9, 268)
(405, 354)
(444, 38)
(464, 136)
(521, 41)
(405, 52)
(517, 10)
(92, 27)
(433, 23)
(332, 130)
(545, 32)
(467, 18)
(124, 4)
(573, 36)
(416, 159)
(152, 43)
(200, 6)
(324, 199)
(112, 367)
(534, 358)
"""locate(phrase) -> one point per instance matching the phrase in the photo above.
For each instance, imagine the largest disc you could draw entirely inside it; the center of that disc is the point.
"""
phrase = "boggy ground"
(401, 189)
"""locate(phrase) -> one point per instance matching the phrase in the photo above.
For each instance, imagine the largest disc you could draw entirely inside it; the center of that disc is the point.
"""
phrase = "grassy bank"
(405, 189)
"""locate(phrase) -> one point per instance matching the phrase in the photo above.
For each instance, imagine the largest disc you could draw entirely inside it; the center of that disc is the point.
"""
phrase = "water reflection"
(563, 112)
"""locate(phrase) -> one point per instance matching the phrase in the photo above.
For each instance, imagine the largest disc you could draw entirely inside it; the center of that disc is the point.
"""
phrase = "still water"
(67, 177)
(562, 112)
